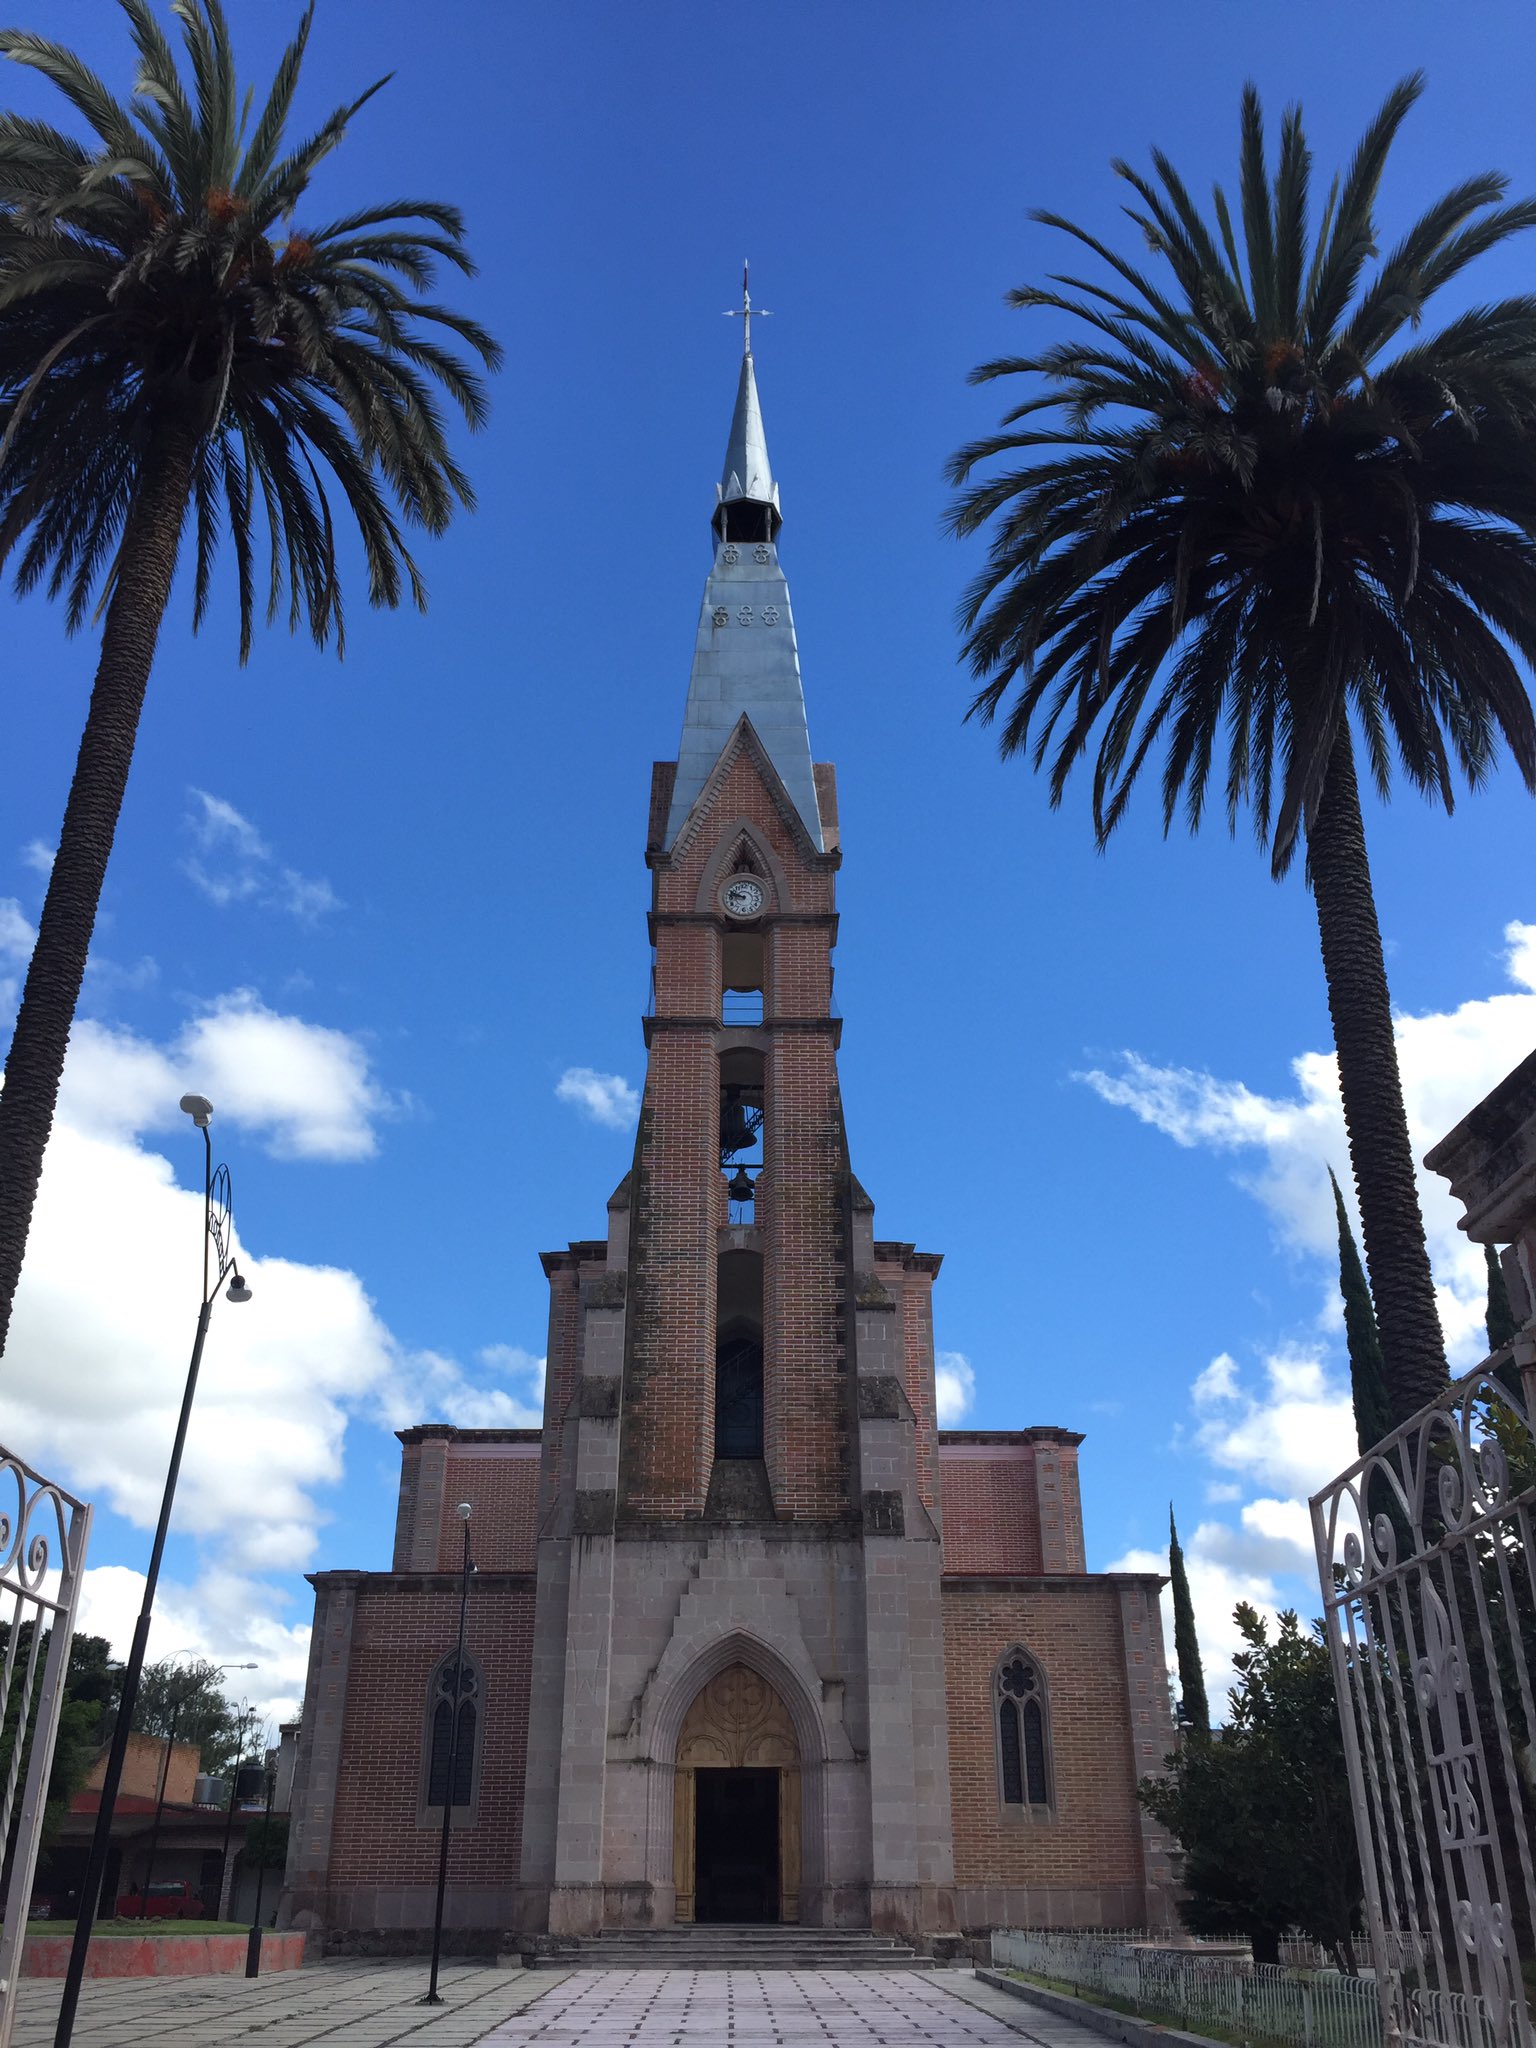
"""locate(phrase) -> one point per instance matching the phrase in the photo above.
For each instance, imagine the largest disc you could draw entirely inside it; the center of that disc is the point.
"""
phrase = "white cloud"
(306, 1089)
(1448, 1060)
(1216, 1584)
(17, 934)
(1272, 1434)
(1291, 1437)
(234, 864)
(97, 1354)
(38, 857)
(605, 1098)
(954, 1384)
(227, 1618)
(17, 938)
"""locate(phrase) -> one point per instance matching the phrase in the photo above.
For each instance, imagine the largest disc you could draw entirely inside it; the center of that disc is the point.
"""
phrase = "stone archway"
(737, 1722)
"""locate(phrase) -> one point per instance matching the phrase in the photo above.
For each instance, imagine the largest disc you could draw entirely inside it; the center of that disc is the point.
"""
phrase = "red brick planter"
(160, 1955)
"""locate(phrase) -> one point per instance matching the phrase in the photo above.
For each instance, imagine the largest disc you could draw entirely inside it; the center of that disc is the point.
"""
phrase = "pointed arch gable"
(743, 738)
(683, 1673)
(740, 835)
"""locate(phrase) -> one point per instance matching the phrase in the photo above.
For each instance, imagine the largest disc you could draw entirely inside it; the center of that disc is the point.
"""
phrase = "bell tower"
(739, 1240)
(739, 1496)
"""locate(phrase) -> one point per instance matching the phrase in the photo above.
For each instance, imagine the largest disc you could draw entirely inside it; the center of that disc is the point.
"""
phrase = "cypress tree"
(1502, 1325)
(1197, 1712)
(1367, 1372)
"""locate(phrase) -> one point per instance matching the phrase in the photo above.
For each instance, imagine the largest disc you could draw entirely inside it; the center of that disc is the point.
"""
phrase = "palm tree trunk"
(145, 569)
(1379, 1149)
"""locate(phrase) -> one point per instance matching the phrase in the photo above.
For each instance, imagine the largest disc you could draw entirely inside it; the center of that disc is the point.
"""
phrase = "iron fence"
(1424, 1552)
(43, 1536)
(1224, 1994)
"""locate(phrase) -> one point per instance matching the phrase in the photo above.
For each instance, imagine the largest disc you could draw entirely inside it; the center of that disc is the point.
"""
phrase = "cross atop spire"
(746, 480)
(743, 312)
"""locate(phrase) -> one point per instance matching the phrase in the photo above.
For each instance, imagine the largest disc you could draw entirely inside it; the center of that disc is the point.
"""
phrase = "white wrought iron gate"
(1425, 1554)
(43, 1533)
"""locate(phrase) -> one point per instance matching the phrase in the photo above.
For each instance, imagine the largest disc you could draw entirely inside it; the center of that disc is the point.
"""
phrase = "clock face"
(743, 897)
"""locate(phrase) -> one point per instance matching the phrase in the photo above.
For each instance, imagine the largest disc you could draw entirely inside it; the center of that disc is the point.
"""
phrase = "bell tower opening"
(739, 1358)
(741, 1130)
(741, 999)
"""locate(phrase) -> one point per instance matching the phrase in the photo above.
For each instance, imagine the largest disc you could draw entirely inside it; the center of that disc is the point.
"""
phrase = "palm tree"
(1253, 528)
(174, 349)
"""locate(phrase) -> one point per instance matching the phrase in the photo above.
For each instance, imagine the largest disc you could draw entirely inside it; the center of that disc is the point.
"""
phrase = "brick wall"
(1010, 1500)
(495, 1470)
(909, 1275)
(501, 1484)
(404, 1625)
(678, 1196)
(1086, 1860)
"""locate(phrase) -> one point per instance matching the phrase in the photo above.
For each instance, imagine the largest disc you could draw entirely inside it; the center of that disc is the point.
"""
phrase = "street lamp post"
(246, 1719)
(253, 1939)
(433, 1996)
(165, 1770)
(217, 1239)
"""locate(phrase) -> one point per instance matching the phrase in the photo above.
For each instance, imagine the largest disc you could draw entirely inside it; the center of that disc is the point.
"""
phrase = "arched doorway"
(736, 1812)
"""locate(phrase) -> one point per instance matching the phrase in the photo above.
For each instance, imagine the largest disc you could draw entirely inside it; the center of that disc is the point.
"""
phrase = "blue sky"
(389, 903)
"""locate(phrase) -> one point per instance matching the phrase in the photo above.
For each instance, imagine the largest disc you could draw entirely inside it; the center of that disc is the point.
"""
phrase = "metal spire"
(746, 473)
(746, 664)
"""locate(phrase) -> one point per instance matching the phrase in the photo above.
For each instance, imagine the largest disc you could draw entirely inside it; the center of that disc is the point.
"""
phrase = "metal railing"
(43, 1532)
(1426, 1552)
(1185, 1988)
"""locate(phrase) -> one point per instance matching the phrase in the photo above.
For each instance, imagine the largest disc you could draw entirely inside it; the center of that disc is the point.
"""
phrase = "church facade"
(750, 1637)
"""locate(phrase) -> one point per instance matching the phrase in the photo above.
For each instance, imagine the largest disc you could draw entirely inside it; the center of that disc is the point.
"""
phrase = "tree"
(1367, 1372)
(1251, 528)
(175, 348)
(79, 1731)
(189, 1698)
(1197, 1711)
(1264, 1812)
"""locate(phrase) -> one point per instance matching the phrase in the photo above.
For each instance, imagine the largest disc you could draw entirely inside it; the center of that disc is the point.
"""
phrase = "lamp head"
(199, 1108)
(465, 1511)
(237, 1291)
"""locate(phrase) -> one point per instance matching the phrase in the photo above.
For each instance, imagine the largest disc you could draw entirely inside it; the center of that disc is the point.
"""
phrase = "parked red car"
(173, 1900)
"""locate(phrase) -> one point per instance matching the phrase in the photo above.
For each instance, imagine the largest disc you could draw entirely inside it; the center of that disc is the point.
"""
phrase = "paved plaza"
(375, 2005)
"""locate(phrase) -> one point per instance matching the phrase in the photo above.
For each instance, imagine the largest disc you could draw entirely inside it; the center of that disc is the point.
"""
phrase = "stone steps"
(712, 1947)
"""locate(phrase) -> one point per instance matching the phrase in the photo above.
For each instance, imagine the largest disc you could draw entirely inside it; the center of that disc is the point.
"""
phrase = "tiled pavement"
(337, 2005)
(782, 2009)
(375, 2005)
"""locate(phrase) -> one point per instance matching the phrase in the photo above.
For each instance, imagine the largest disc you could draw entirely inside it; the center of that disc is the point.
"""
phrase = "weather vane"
(743, 312)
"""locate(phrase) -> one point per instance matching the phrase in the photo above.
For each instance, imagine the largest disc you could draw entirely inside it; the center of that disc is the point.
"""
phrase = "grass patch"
(1154, 2016)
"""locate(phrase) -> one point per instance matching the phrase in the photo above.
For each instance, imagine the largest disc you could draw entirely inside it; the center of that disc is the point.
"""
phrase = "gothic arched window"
(1023, 1731)
(453, 1687)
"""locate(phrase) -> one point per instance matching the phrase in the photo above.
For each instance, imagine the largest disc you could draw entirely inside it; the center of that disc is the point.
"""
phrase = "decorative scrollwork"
(730, 554)
(722, 616)
(770, 615)
(761, 553)
(220, 1205)
(744, 615)
(29, 1552)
